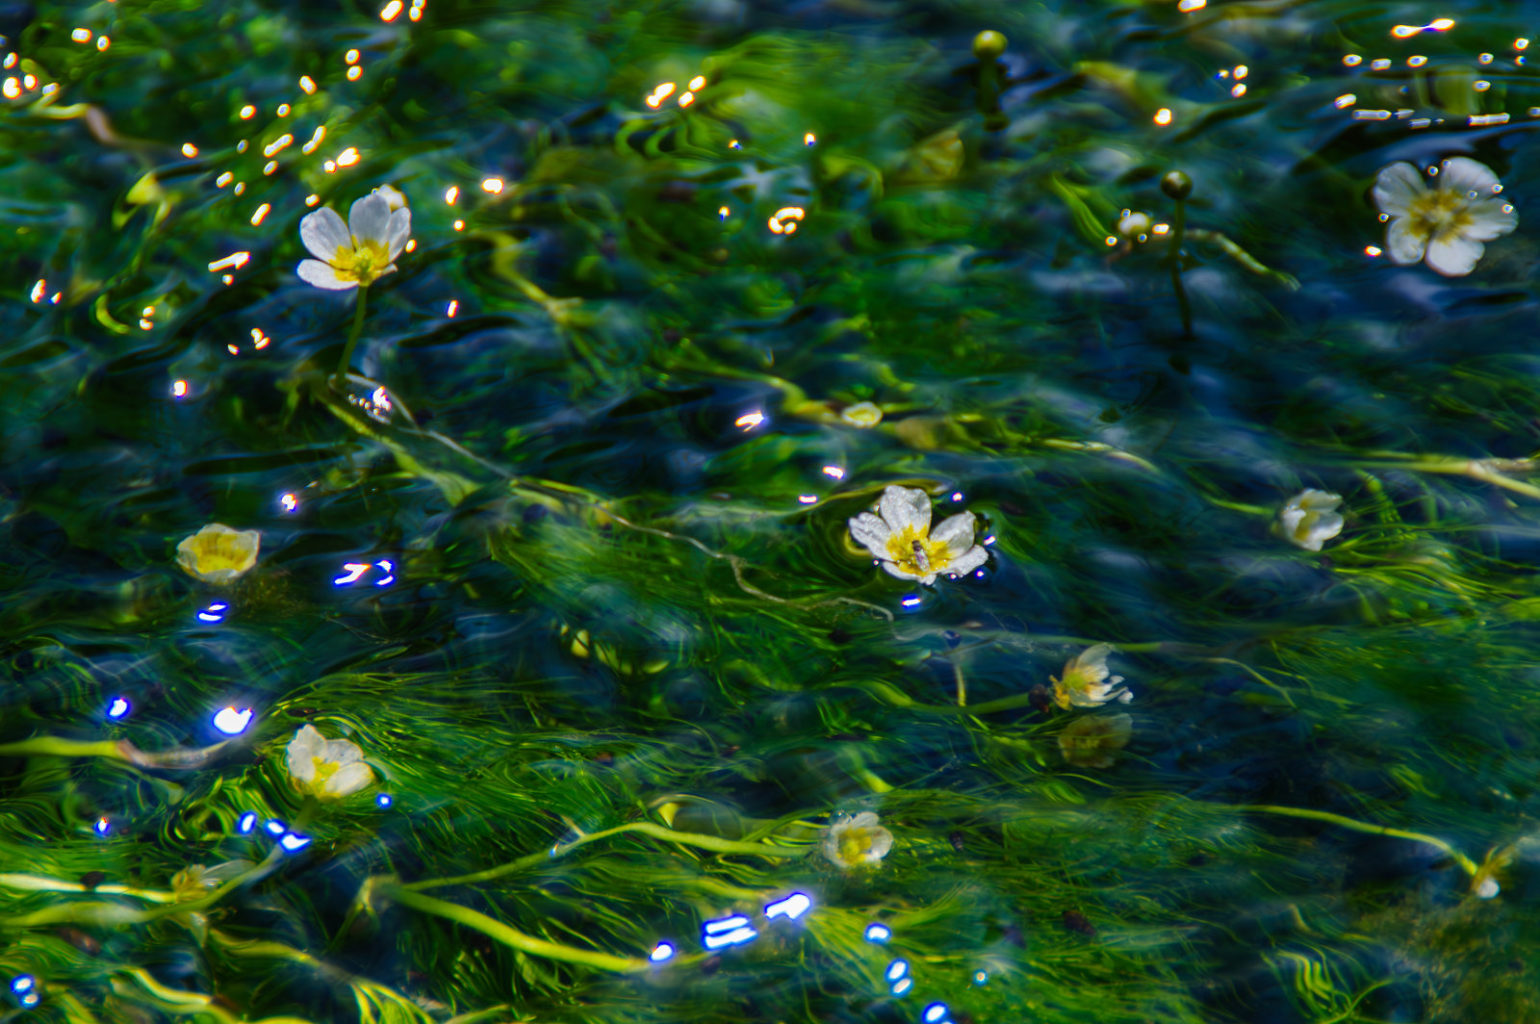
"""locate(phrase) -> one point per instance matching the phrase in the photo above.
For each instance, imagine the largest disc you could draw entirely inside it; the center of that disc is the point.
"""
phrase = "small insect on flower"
(358, 252)
(856, 841)
(218, 554)
(1310, 519)
(904, 545)
(1087, 682)
(329, 769)
(1447, 225)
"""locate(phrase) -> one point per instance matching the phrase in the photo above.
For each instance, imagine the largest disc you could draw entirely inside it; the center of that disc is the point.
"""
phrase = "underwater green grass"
(629, 667)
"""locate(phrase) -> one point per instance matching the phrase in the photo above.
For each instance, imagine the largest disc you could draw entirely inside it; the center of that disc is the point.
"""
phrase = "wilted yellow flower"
(856, 841)
(1086, 682)
(218, 554)
(1449, 224)
(329, 769)
(360, 251)
(1310, 519)
(195, 880)
(862, 414)
(1093, 741)
(904, 544)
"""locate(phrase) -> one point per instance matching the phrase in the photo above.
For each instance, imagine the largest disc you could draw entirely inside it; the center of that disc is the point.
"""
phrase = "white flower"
(904, 544)
(218, 554)
(1087, 682)
(358, 252)
(330, 769)
(1447, 223)
(862, 414)
(1133, 224)
(1310, 519)
(394, 197)
(856, 842)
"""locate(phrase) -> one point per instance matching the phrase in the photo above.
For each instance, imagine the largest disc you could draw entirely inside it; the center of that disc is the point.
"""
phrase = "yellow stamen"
(917, 554)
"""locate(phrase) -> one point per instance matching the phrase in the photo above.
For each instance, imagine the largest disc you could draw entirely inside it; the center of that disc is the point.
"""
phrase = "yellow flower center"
(855, 844)
(362, 261)
(916, 553)
(324, 770)
(214, 552)
(1439, 212)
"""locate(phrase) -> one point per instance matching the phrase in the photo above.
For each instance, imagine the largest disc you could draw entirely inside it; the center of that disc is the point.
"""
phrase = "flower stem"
(1466, 864)
(1178, 230)
(510, 937)
(358, 326)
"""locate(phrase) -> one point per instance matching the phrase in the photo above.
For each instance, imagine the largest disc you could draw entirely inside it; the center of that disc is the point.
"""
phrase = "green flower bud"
(988, 45)
(1177, 185)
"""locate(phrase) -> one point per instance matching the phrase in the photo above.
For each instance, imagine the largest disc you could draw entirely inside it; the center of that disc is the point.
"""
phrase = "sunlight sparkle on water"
(452, 308)
(348, 157)
(232, 721)
(791, 908)
(784, 221)
(902, 985)
(234, 261)
(307, 85)
(289, 502)
(189, 150)
(39, 290)
(12, 89)
(352, 573)
(118, 708)
(81, 35)
(749, 420)
(275, 827)
(246, 822)
(836, 472)
(877, 932)
(1163, 116)
(661, 952)
(391, 10)
(383, 801)
(494, 186)
(897, 969)
(736, 937)
(179, 389)
(355, 73)
(1188, 6)
(451, 194)
(102, 826)
(934, 1013)
(807, 499)
(293, 842)
(1436, 25)
(261, 214)
(315, 140)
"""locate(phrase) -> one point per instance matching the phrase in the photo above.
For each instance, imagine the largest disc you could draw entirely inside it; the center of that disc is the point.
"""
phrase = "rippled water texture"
(610, 719)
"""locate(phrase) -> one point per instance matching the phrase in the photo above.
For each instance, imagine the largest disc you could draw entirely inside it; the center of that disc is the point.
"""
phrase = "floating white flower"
(902, 540)
(1087, 682)
(218, 554)
(1310, 519)
(1448, 223)
(856, 841)
(862, 414)
(356, 253)
(329, 769)
(394, 197)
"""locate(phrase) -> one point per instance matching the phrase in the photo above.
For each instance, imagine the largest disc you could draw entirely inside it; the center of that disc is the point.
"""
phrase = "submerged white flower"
(1087, 682)
(902, 540)
(1310, 519)
(1448, 223)
(218, 554)
(862, 414)
(356, 253)
(330, 769)
(856, 841)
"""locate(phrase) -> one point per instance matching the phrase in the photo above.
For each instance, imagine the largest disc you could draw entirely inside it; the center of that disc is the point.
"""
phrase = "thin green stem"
(1466, 864)
(697, 839)
(1178, 231)
(511, 937)
(341, 379)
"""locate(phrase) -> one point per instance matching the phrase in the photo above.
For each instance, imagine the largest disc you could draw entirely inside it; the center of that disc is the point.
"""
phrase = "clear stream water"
(566, 560)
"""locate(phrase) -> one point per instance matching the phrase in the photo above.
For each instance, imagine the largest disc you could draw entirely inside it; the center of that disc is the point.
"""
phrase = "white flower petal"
(1396, 187)
(350, 778)
(866, 819)
(1314, 499)
(905, 508)
(1453, 255)
(1489, 219)
(340, 752)
(323, 234)
(968, 561)
(394, 197)
(322, 276)
(399, 231)
(1404, 244)
(1462, 174)
(881, 843)
(867, 529)
(369, 219)
(302, 751)
(956, 532)
(1326, 526)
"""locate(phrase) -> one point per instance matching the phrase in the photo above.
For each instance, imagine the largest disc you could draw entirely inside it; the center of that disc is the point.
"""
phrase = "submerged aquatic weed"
(329, 769)
(1087, 682)
(1093, 741)
(356, 253)
(856, 841)
(218, 553)
(1310, 518)
(1448, 224)
(904, 544)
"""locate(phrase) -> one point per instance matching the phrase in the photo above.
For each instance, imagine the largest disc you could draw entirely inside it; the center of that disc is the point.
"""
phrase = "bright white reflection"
(724, 924)
(118, 708)
(792, 907)
(878, 932)
(275, 827)
(736, 937)
(293, 841)
(232, 722)
(661, 952)
(934, 1013)
(246, 822)
(897, 969)
(901, 986)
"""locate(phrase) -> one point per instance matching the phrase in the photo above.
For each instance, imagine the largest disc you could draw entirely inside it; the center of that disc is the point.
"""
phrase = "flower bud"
(988, 45)
(1177, 185)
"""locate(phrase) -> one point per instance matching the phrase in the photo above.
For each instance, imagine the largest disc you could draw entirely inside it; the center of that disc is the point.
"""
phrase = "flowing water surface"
(558, 688)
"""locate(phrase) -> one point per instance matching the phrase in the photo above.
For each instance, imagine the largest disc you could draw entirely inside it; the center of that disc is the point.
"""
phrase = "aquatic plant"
(1310, 518)
(1447, 224)
(904, 544)
(328, 769)
(1087, 682)
(218, 553)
